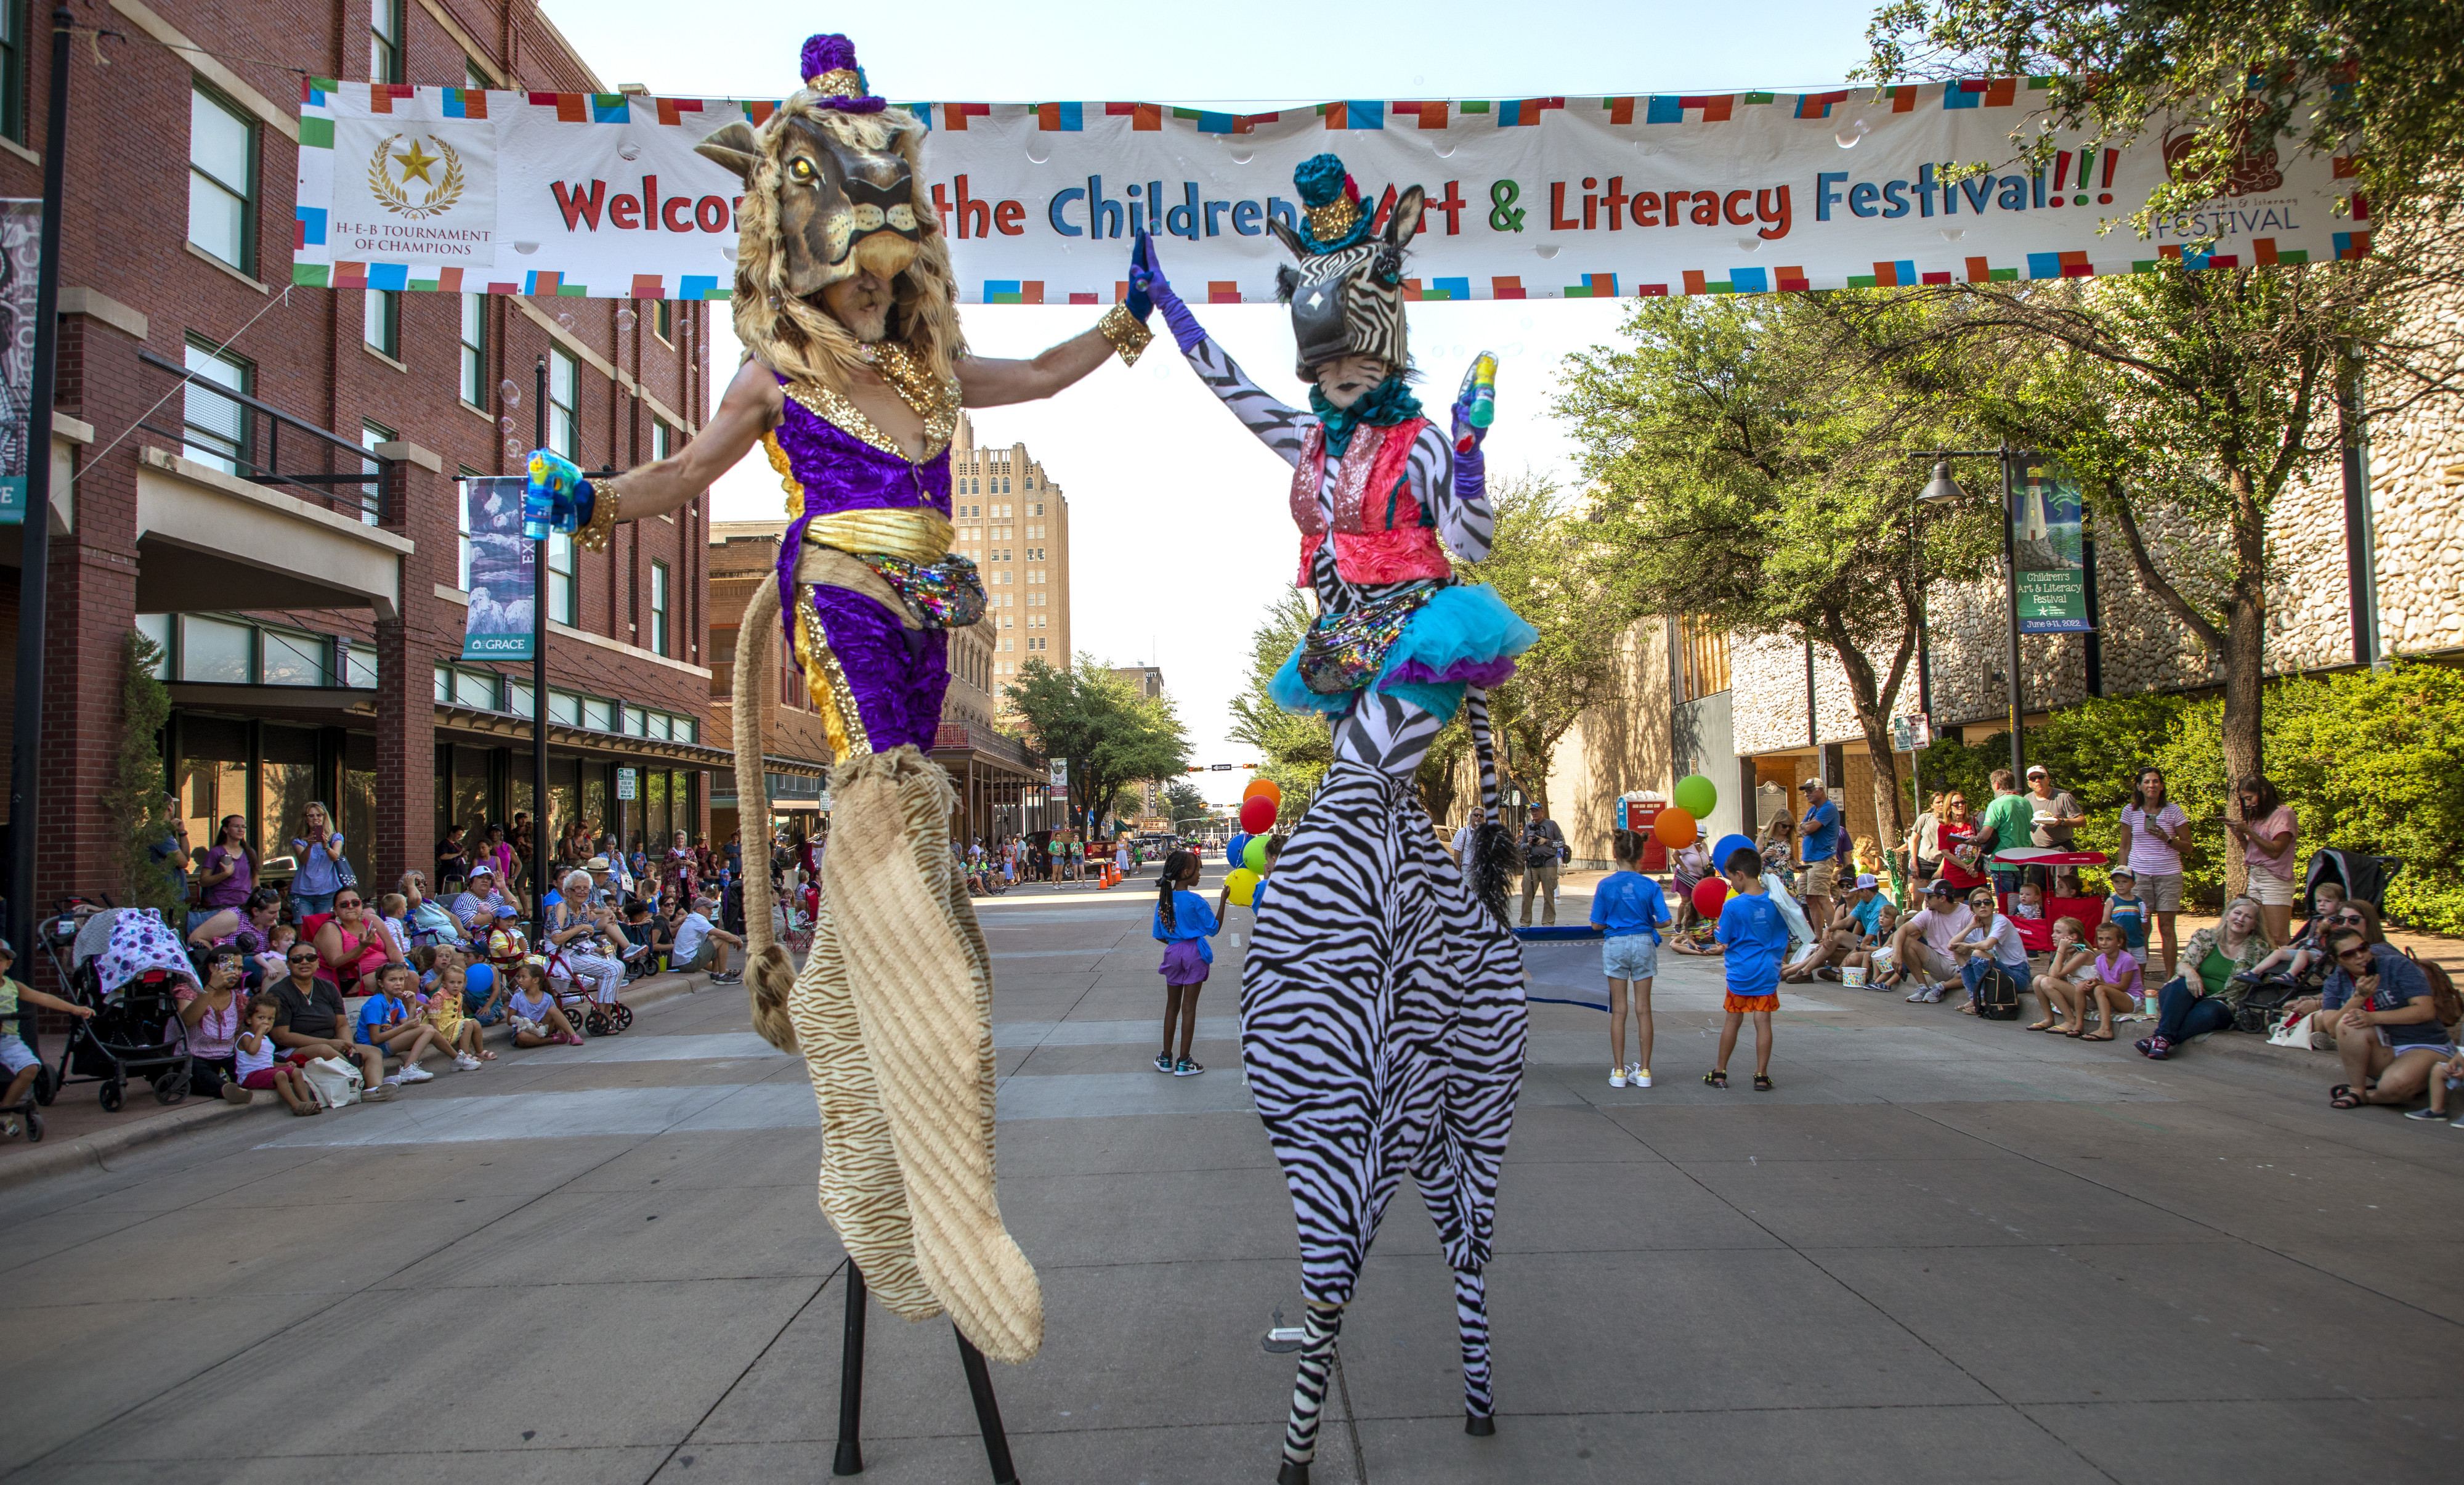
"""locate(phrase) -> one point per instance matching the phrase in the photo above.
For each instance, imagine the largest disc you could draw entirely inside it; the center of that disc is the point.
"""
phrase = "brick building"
(1014, 522)
(293, 539)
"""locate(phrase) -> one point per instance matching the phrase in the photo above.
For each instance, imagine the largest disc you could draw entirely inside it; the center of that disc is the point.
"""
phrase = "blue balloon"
(479, 979)
(1728, 844)
(1232, 852)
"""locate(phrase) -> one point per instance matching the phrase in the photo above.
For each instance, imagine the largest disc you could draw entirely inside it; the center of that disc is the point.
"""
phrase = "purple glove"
(1471, 469)
(1147, 280)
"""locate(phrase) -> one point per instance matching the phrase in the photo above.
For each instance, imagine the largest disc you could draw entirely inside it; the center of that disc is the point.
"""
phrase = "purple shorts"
(1182, 963)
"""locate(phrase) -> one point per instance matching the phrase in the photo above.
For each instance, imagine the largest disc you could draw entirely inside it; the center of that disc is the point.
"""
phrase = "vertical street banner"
(2046, 540)
(504, 576)
(21, 261)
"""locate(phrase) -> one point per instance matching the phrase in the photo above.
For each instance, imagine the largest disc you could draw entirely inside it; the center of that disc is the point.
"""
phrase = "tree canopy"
(1112, 734)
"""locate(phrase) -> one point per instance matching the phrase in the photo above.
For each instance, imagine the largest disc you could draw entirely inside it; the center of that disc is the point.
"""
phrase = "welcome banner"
(602, 196)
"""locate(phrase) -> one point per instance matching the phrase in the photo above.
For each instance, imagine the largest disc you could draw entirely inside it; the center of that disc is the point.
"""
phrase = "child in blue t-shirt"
(1753, 938)
(2123, 908)
(1629, 907)
(1183, 922)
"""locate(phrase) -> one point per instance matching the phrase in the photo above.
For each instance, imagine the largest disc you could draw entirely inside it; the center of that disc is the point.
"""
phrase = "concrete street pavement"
(1940, 1251)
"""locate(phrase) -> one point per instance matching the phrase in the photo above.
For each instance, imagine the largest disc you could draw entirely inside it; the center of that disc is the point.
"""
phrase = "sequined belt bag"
(908, 548)
(1344, 651)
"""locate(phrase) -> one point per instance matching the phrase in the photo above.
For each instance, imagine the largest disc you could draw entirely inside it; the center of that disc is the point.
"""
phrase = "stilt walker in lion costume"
(1382, 1011)
(856, 372)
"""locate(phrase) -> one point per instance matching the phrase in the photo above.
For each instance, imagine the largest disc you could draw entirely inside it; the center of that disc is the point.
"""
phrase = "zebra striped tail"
(1492, 867)
(1308, 1392)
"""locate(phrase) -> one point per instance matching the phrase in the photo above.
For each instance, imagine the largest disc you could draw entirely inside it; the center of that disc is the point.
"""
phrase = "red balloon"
(1258, 814)
(1674, 828)
(1711, 895)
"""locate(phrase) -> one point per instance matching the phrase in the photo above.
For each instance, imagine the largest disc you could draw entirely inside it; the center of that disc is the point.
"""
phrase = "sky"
(1179, 537)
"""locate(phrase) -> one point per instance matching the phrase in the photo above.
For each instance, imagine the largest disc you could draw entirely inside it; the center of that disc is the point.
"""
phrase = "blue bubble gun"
(1479, 390)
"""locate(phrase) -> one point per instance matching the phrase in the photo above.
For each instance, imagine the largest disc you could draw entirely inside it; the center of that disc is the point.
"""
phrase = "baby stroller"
(587, 1016)
(136, 1031)
(2362, 876)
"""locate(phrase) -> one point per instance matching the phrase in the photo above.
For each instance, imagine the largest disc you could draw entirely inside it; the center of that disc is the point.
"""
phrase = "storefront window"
(470, 795)
(654, 807)
(212, 650)
(594, 799)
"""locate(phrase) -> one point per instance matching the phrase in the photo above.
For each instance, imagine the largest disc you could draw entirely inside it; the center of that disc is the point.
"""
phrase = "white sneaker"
(1617, 1078)
(1638, 1076)
(393, 1080)
(414, 1074)
(466, 1062)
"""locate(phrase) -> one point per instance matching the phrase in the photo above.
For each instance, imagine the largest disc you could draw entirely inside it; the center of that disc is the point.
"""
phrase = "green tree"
(1112, 735)
(1541, 562)
(1298, 747)
(136, 795)
(1185, 803)
(2369, 81)
(1745, 479)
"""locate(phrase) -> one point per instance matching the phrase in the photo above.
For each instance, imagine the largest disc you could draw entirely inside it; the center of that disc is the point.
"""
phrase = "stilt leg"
(851, 1453)
(1308, 1394)
(1471, 1325)
(979, 1385)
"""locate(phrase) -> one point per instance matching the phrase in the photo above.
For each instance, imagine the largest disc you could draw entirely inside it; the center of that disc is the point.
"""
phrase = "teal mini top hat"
(1334, 216)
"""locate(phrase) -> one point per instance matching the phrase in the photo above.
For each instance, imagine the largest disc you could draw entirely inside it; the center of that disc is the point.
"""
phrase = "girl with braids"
(1183, 922)
(1383, 1013)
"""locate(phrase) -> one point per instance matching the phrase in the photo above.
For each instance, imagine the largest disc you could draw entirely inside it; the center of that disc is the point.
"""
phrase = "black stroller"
(136, 1031)
(2364, 877)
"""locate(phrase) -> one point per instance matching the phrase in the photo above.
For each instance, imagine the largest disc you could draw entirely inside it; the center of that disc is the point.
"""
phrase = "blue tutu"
(1463, 636)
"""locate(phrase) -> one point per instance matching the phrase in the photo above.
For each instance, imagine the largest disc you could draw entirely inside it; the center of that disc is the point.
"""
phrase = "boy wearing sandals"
(1753, 941)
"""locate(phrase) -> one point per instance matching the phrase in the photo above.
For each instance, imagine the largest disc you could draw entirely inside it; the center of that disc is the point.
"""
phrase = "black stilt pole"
(980, 1385)
(850, 1454)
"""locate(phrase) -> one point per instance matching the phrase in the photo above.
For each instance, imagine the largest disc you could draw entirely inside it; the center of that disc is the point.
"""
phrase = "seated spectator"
(308, 1020)
(577, 934)
(2116, 981)
(272, 964)
(17, 1058)
(214, 1016)
(2203, 997)
(353, 943)
(459, 1029)
(1876, 955)
(1923, 944)
(2445, 1081)
(2031, 904)
(2066, 988)
(2341, 914)
(2123, 905)
(700, 946)
(1851, 928)
(1991, 945)
(482, 895)
(261, 1065)
(425, 920)
(507, 945)
(393, 912)
(2388, 1030)
(537, 1022)
(250, 926)
(393, 1021)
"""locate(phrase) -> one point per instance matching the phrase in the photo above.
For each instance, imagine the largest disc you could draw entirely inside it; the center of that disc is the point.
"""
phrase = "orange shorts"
(1751, 1003)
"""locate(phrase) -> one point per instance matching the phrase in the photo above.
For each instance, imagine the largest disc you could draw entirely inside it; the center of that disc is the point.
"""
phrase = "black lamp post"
(1942, 489)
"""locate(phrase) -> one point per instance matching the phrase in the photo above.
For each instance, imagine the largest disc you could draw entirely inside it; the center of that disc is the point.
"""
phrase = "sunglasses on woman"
(346, 903)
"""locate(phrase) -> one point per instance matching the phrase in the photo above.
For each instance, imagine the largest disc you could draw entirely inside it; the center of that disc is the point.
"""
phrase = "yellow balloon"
(1243, 885)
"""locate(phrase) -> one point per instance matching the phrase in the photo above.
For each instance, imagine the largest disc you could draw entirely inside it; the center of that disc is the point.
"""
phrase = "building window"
(381, 320)
(217, 428)
(474, 77)
(360, 667)
(475, 349)
(1702, 658)
(14, 15)
(663, 441)
(287, 657)
(222, 180)
(217, 651)
(563, 427)
(372, 494)
(563, 593)
(658, 608)
(663, 320)
(385, 40)
(462, 526)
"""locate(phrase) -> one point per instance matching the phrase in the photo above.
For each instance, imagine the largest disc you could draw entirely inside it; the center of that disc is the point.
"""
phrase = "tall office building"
(1014, 522)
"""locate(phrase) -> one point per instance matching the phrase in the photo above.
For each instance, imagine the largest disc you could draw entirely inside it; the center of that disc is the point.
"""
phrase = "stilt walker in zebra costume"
(1382, 1012)
(854, 375)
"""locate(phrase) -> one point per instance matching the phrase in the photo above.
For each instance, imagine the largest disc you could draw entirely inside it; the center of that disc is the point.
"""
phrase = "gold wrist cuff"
(1128, 337)
(605, 498)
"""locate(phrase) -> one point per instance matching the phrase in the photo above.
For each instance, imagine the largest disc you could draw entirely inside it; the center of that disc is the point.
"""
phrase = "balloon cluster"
(1678, 825)
(1243, 885)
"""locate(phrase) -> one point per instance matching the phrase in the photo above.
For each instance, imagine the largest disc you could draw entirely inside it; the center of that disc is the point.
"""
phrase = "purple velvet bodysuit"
(896, 673)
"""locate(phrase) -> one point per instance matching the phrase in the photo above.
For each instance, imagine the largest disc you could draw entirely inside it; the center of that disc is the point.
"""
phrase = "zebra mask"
(1347, 292)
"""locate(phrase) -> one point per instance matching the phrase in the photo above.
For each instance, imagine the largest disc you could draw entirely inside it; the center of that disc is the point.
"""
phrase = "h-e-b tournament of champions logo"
(392, 173)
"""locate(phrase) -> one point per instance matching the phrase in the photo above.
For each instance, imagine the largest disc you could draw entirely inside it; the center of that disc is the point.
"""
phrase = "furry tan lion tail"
(768, 971)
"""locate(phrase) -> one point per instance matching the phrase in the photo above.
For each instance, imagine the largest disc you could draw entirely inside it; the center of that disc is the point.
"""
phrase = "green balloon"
(1255, 857)
(1696, 795)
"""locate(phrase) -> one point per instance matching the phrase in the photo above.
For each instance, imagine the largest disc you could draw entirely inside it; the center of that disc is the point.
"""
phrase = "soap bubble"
(631, 152)
(507, 424)
(565, 320)
(624, 318)
(511, 394)
(514, 447)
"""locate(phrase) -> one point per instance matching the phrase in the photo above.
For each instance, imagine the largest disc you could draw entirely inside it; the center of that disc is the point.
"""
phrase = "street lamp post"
(1942, 488)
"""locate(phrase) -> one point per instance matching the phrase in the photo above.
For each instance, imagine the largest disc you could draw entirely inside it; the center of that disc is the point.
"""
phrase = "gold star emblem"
(416, 164)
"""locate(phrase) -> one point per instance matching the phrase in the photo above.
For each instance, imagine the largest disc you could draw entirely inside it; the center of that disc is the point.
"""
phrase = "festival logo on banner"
(2047, 536)
(409, 190)
(21, 262)
(504, 573)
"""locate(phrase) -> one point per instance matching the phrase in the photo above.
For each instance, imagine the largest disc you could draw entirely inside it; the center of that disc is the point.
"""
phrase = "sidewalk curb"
(95, 1150)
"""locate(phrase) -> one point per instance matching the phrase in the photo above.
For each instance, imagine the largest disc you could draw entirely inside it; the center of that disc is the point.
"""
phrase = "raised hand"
(1147, 281)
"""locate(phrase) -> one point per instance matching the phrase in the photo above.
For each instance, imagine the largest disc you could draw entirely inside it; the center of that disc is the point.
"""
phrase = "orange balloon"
(1674, 829)
(1267, 786)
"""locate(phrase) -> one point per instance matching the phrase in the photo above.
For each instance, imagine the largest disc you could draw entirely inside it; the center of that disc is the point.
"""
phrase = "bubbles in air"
(1851, 132)
(507, 424)
(511, 394)
(624, 318)
(631, 152)
(513, 447)
(565, 320)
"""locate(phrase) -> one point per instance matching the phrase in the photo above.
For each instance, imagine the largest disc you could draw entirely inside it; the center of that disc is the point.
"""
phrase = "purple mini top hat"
(829, 68)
